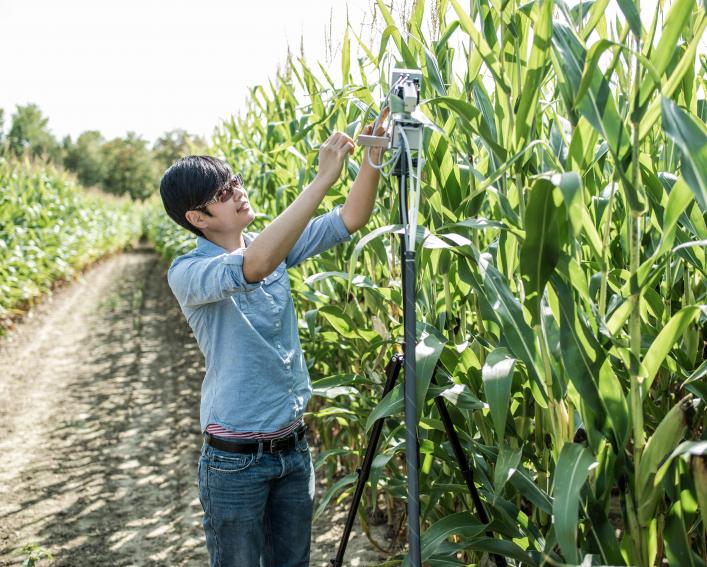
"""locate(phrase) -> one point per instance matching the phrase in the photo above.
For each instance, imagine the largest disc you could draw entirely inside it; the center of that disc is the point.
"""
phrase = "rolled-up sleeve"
(320, 234)
(198, 280)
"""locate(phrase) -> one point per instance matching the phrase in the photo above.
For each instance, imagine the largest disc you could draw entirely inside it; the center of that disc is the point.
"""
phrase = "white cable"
(382, 165)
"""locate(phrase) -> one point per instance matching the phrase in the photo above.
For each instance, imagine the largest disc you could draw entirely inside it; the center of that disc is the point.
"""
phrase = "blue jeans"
(257, 506)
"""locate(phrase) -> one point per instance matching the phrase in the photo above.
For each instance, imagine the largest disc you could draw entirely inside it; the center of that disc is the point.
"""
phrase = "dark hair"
(190, 182)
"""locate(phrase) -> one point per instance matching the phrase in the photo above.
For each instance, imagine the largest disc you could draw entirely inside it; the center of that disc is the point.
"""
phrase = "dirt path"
(99, 397)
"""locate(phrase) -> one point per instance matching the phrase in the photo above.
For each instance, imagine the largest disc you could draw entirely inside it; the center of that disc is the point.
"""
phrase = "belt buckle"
(274, 444)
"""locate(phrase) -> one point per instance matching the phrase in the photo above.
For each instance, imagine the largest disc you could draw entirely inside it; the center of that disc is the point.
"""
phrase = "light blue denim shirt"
(256, 377)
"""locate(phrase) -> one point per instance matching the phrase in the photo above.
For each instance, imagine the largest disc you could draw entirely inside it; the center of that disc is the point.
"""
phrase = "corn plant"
(561, 288)
(50, 229)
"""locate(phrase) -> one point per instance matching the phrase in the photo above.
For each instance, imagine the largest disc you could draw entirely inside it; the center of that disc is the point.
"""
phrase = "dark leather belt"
(269, 446)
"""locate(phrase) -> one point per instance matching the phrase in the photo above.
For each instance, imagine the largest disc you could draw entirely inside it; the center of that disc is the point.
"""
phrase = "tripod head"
(404, 96)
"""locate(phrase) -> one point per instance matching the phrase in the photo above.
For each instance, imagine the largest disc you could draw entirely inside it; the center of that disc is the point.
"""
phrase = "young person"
(256, 478)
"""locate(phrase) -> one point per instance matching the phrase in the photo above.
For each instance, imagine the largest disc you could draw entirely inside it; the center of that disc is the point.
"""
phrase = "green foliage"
(29, 133)
(50, 229)
(33, 553)
(85, 158)
(169, 238)
(561, 272)
(174, 145)
(128, 167)
(122, 166)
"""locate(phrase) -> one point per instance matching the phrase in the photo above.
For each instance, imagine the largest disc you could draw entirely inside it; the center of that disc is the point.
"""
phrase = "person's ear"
(196, 219)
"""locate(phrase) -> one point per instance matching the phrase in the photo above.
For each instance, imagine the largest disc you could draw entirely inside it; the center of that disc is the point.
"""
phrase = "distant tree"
(2, 125)
(29, 133)
(176, 144)
(85, 157)
(129, 167)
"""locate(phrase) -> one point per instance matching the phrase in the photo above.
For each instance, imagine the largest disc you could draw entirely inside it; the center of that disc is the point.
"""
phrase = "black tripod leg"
(392, 371)
(466, 471)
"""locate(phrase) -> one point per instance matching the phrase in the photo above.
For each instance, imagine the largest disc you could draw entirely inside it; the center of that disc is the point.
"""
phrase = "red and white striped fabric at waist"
(215, 429)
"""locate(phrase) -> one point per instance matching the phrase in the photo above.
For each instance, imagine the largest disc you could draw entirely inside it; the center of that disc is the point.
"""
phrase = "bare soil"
(99, 429)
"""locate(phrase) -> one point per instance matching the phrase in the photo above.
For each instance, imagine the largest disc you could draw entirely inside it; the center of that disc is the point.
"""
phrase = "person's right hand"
(332, 155)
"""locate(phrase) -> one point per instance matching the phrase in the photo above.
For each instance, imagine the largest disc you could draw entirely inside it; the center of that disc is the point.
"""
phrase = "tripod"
(412, 444)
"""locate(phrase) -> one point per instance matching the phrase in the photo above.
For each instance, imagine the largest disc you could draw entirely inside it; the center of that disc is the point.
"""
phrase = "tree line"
(122, 166)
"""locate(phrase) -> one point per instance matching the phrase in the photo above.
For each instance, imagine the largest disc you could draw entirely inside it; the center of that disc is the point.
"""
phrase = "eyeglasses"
(225, 193)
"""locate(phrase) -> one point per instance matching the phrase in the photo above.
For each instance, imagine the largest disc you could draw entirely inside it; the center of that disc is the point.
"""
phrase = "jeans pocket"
(230, 463)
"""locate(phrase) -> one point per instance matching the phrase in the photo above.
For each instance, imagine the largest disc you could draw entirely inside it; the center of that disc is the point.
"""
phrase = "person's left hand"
(380, 130)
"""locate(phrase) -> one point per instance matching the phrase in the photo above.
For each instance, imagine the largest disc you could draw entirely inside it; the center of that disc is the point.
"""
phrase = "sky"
(151, 66)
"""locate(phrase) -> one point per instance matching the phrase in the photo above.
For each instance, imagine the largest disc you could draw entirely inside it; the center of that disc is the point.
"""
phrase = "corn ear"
(664, 440)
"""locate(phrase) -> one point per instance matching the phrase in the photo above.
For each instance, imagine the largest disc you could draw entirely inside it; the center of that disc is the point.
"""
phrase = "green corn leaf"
(596, 13)
(540, 251)
(506, 466)
(582, 355)
(667, 337)
(497, 375)
(508, 311)
(344, 325)
(673, 26)
(458, 395)
(407, 55)
(501, 547)
(631, 12)
(427, 352)
(698, 469)
(691, 137)
(534, 74)
(677, 539)
(462, 524)
(664, 440)
(671, 86)
(335, 488)
(393, 403)
(488, 56)
(571, 472)
(679, 199)
(524, 484)
(433, 73)
(346, 56)
(472, 119)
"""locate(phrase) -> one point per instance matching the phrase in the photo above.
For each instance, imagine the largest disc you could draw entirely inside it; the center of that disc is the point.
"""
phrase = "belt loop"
(260, 451)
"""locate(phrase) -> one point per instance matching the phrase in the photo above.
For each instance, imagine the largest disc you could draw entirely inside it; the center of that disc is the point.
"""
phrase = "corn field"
(561, 281)
(50, 229)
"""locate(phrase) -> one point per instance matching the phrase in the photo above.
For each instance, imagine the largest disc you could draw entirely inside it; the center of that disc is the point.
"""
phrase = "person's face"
(229, 208)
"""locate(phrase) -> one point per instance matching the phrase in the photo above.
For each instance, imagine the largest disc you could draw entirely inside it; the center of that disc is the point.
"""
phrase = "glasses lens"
(224, 194)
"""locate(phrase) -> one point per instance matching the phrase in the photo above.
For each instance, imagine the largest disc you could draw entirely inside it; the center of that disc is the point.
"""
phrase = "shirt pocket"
(278, 284)
(247, 301)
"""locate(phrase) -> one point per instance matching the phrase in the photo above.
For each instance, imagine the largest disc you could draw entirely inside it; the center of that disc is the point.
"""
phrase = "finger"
(343, 141)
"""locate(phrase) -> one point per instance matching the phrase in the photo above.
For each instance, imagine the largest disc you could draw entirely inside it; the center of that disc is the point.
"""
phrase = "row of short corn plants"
(50, 229)
(561, 277)
(168, 239)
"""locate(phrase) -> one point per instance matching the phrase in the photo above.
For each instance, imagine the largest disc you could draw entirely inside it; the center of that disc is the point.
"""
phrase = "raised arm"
(274, 243)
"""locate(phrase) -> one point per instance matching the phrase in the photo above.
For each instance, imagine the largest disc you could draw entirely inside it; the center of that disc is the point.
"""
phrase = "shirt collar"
(207, 247)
